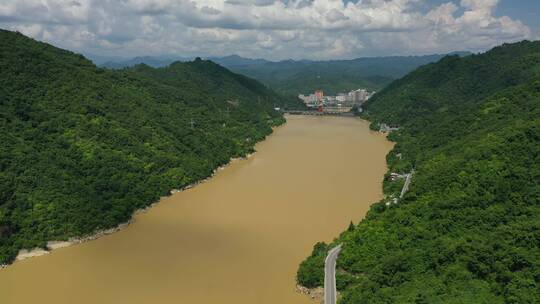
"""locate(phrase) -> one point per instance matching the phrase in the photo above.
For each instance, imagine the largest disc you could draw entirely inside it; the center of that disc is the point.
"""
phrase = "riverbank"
(255, 219)
(316, 294)
(55, 244)
(310, 275)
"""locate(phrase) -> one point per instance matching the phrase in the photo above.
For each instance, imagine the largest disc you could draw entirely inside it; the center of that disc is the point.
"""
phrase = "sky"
(271, 29)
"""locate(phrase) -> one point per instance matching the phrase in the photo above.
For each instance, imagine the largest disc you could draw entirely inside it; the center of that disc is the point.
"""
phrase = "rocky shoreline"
(316, 294)
(52, 245)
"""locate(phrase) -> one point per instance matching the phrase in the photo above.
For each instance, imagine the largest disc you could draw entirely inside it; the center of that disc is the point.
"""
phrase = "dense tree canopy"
(468, 231)
(83, 147)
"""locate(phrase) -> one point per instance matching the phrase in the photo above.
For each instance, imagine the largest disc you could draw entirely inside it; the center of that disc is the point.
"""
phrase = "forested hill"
(468, 231)
(83, 147)
(292, 77)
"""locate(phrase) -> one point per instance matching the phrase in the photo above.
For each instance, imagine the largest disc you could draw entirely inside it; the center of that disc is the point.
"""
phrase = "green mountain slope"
(291, 77)
(83, 147)
(295, 77)
(468, 231)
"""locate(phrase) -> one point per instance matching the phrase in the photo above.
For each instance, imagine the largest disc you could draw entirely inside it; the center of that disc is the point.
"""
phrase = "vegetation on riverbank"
(468, 231)
(84, 147)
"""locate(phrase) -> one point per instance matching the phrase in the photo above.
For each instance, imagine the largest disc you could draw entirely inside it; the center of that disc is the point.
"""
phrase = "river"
(237, 238)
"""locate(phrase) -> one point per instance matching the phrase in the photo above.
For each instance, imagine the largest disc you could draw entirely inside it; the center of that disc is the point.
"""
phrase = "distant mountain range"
(163, 61)
(292, 77)
(334, 76)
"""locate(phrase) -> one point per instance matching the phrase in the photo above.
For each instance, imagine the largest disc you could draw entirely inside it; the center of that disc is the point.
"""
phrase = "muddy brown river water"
(237, 238)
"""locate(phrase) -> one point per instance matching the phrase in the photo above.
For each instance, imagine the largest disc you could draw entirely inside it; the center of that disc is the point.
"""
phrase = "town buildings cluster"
(350, 99)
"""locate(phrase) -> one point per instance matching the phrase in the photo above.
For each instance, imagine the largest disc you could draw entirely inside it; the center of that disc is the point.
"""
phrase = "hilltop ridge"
(468, 229)
(292, 77)
(83, 147)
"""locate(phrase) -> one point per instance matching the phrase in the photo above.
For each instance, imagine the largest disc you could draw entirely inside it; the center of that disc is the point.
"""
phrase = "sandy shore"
(52, 245)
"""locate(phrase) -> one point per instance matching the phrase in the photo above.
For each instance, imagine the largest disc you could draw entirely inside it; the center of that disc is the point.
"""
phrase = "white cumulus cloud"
(317, 29)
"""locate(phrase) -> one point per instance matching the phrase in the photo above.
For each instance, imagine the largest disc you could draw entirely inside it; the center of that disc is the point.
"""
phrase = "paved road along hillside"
(330, 275)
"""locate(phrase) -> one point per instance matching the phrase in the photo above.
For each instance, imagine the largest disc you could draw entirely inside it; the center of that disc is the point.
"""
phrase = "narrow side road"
(330, 292)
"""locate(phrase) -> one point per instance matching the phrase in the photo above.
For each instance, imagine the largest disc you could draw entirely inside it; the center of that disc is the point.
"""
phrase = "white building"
(341, 97)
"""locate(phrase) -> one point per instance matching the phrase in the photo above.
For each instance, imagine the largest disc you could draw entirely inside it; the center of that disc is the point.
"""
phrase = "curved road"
(330, 275)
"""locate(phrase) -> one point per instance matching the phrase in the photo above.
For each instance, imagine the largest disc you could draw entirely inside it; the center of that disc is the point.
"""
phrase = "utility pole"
(192, 123)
